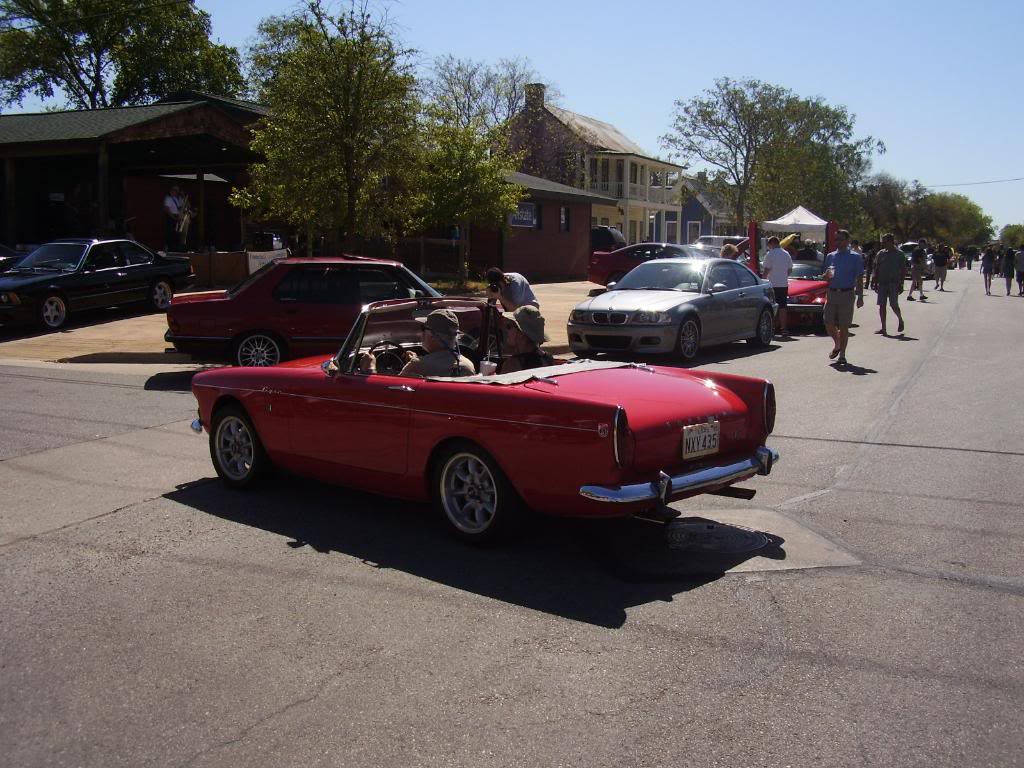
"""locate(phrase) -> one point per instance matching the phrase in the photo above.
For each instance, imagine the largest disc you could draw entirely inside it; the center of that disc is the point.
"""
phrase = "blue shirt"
(848, 267)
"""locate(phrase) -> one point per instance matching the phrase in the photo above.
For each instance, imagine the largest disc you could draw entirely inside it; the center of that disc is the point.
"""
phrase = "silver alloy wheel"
(162, 294)
(689, 339)
(766, 327)
(258, 350)
(469, 494)
(234, 448)
(54, 312)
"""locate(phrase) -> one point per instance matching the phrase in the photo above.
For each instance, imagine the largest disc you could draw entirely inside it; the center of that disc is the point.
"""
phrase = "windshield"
(664, 276)
(55, 256)
(807, 271)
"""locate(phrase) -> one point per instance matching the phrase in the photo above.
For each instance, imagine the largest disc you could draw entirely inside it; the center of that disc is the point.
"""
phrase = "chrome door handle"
(401, 388)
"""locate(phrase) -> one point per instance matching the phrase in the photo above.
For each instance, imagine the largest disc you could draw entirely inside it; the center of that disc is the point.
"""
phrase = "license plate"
(700, 439)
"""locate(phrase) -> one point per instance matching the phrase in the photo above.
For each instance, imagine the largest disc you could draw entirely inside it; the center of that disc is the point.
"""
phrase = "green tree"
(769, 149)
(342, 127)
(955, 219)
(108, 53)
(461, 177)
(1012, 235)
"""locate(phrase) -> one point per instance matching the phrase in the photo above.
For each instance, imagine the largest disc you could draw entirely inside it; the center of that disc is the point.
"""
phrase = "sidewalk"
(139, 339)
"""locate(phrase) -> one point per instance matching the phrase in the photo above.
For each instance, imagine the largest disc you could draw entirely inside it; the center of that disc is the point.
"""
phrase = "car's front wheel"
(765, 329)
(258, 350)
(236, 449)
(473, 495)
(160, 295)
(53, 312)
(689, 338)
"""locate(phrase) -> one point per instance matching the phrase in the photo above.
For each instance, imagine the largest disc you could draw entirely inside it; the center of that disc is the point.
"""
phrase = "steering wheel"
(389, 357)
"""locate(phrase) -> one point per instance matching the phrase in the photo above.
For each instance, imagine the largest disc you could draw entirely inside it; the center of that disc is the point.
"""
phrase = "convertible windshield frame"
(348, 356)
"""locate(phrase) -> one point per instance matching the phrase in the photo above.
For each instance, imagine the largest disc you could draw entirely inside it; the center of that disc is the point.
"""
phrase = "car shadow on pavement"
(79, 319)
(171, 381)
(131, 358)
(587, 571)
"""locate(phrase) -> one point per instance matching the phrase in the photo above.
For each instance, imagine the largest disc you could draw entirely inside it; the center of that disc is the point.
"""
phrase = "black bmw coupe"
(74, 274)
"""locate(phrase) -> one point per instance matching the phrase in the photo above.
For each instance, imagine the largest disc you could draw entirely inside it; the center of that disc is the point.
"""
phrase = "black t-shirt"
(941, 258)
(917, 257)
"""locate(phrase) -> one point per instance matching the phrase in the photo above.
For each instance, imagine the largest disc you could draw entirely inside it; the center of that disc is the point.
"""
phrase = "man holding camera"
(511, 289)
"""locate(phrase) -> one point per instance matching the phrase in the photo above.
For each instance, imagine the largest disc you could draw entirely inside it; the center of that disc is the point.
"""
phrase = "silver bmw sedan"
(675, 305)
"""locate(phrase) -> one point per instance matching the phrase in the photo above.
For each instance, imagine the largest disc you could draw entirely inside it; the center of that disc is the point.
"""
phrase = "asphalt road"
(148, 616)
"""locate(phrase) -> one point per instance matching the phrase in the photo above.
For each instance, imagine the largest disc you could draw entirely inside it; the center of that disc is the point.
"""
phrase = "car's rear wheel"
(236, 449)
(473, 495)
(53, 312)
(160, 295)
(765, 329)
(258, 349)
(689, 338)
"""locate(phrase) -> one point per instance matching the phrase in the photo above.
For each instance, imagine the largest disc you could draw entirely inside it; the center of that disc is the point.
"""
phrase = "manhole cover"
(714, 537)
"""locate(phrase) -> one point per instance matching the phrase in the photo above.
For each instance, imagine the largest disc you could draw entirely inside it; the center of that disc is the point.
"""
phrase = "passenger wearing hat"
(524, 333)
(440, 330)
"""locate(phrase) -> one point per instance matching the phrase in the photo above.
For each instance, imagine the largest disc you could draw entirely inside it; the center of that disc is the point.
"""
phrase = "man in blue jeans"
(846, 275)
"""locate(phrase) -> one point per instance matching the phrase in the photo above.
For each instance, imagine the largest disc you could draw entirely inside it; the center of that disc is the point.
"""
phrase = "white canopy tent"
(798, 220)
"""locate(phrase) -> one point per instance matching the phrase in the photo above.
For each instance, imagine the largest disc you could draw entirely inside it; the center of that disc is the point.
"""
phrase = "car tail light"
(769, 406)
(623, 439)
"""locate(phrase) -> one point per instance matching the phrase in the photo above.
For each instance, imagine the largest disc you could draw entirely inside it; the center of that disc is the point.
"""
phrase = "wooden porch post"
(10, 210)
(201, 220)
(102, 190)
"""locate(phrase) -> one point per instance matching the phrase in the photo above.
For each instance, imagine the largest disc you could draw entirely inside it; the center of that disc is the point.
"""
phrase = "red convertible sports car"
(807, 293)
(585, 439)
(289, 308)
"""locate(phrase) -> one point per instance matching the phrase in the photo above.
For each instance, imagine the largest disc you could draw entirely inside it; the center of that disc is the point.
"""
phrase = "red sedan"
(807, 293)
(611, 266)
(289, 308)
(586, 439)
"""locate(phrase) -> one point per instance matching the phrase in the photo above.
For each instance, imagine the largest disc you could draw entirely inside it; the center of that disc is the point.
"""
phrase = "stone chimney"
(534, 96)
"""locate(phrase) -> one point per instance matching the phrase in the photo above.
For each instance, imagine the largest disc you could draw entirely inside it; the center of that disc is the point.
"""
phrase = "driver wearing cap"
(440, 330)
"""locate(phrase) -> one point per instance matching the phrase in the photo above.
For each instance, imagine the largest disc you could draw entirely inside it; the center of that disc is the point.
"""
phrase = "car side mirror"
(330, 368)
(416, 293)
(718, 288)
(611, 285)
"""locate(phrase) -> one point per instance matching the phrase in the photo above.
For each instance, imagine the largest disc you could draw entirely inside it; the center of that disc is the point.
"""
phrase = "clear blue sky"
(939, 82)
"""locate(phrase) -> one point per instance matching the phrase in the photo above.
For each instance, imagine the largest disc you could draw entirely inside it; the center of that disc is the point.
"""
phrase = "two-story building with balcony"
(581, 151)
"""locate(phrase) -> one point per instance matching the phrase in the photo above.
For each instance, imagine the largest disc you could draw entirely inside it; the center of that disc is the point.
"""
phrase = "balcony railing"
(641, 192)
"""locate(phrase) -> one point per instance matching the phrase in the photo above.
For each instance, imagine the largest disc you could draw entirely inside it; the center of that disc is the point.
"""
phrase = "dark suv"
(605, 238)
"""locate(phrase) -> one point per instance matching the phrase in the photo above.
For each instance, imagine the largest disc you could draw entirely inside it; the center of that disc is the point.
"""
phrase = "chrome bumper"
(665, 487)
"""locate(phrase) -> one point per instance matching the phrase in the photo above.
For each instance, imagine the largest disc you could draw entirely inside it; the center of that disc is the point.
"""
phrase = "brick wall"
(548, 253)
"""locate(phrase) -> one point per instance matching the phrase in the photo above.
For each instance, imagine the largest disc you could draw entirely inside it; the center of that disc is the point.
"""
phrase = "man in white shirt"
(172, 213)
(777, 266)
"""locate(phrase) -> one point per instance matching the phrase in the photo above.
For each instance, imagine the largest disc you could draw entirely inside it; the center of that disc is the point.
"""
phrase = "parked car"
(66, 276)
(675, 305)
(9, 257)
(929, 262)
(611, 267)
(712, 244)
(808, 290)
(605, 238)
(288, 308)
(586, 439)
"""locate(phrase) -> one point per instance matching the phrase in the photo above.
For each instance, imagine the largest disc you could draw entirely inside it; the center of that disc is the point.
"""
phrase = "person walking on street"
(917, 259)
(1018, 263)
(777, 267)
(870, 254)
(941, 260)
(887, 282)
(1007, 268)
(988, 260)
(846, 270)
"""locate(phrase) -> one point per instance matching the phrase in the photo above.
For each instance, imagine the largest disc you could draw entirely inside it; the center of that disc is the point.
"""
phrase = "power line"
(94, 16)
(974, 183)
